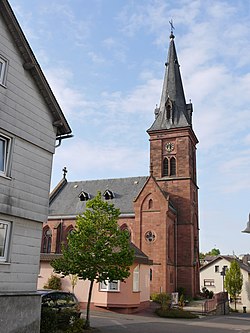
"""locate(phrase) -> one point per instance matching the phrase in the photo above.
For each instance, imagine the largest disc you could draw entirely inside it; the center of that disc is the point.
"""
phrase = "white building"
(30, 123)
(212, 279)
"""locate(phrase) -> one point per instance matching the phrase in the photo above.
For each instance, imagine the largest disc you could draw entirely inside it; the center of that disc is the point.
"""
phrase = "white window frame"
(136, 279)
(109, 286)
(209, 283)
(6, 154)
(6, 241)
(3, 70)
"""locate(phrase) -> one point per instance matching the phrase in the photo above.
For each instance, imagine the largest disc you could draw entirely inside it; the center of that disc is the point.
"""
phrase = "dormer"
(84, 196)
(108, 195)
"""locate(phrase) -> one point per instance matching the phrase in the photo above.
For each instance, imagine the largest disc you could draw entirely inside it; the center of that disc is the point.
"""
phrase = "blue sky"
(104, 60)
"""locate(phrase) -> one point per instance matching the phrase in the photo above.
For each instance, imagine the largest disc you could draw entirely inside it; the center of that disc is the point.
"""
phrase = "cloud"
(90, 160)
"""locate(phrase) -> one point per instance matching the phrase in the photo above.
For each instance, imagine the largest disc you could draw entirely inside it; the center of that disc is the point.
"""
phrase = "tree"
(97, 250)
(234, 280)
(213, 252)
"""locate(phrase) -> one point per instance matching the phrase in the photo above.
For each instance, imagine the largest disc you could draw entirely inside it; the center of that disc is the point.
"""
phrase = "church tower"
(173, 166)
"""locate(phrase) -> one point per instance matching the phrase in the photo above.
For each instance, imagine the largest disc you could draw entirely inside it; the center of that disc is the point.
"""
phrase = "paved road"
(119, 323)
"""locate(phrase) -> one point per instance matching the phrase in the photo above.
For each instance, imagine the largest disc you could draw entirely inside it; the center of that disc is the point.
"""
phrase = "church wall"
(152, 216)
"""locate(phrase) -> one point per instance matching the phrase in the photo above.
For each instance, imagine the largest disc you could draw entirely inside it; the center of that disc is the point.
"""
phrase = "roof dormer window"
(108, 195)
(84, 196)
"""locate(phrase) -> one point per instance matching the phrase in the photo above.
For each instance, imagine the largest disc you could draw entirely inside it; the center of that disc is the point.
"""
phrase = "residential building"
(160, 210)
(30, 123)
(212, 278)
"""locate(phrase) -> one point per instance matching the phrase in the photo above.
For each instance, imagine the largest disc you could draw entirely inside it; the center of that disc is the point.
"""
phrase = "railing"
(217, 303)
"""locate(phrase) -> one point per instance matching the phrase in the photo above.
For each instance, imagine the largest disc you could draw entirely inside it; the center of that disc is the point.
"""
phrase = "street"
(108, 322)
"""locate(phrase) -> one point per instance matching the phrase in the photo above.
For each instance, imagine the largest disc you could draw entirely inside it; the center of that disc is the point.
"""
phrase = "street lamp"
(223, 273)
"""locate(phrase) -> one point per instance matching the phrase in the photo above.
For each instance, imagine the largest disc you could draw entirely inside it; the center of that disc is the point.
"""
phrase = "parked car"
(59, 302)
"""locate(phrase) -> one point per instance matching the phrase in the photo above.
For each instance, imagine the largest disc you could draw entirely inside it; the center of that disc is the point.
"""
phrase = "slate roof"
(243, 266)
(66, 202)
(172, 90)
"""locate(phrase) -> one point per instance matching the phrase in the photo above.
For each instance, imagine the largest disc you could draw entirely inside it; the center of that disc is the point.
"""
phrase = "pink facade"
(131, 295)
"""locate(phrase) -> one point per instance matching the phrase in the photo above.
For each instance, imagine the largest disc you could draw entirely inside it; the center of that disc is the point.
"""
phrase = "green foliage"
(55, 322)
(73, 280)
(175, 313)
(182, 300)
(214, 252)
(76, 326)
(163, 299)
(97, 250)
(54, 282)
(234, 280)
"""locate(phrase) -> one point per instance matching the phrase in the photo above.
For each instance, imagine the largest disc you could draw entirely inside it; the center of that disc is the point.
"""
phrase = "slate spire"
(173, 111)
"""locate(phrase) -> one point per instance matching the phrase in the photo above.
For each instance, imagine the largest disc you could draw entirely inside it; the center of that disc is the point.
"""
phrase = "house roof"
(30, 64)
(242, 265)
(66, 202)
(140, 257)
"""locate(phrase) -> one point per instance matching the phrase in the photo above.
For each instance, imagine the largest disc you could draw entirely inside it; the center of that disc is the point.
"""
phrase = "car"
(59, 302)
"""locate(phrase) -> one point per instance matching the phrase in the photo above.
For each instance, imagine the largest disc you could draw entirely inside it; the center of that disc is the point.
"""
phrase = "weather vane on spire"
(172, 28)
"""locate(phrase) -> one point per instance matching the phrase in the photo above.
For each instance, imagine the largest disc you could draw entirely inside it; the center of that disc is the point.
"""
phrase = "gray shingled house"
(31, 121)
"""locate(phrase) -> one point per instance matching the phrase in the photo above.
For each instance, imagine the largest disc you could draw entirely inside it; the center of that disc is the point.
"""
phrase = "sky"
(104, 60)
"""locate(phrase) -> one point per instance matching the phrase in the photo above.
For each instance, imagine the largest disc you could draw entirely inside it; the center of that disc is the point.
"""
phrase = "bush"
(54, 282)
(57, 322)
(175, 313)
(163, 299)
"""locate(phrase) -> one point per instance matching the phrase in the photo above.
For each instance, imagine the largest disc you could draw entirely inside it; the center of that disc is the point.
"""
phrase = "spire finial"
(171, 29)
(64, 170)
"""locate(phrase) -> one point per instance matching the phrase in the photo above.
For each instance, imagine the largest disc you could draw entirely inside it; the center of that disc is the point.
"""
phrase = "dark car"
(62, 303)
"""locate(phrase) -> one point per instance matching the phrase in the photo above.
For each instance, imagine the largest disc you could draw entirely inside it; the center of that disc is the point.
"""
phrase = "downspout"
(176, 263)
(62, 137)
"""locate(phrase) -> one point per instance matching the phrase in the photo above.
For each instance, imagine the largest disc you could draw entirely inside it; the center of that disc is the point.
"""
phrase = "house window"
(4, 239)
(47, 237)
(136, 278)
(216, 269)
(3, 70)
(110, 286)
(4, 154)
(208, 283)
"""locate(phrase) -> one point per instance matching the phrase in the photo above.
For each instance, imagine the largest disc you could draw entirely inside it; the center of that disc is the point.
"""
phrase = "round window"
(150, 236)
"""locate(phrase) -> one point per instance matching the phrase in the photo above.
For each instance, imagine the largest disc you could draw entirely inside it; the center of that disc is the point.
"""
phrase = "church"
(159, 210)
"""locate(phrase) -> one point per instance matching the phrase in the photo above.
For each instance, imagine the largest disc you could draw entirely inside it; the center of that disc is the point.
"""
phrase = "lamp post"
(223, 273)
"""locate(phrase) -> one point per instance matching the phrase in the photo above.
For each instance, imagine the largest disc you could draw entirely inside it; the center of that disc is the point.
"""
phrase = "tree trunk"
(87, 321)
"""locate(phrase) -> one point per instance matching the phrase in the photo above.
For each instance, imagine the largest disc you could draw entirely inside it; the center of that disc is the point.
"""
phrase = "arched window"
(172, 166)
(150, 204)
(136, 278)
(168, 111)
(150, 274)
(165, 167)
(125, 227)
(47, 237)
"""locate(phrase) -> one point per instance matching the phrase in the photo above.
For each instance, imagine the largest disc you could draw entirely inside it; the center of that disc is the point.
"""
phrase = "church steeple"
(173, 111)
